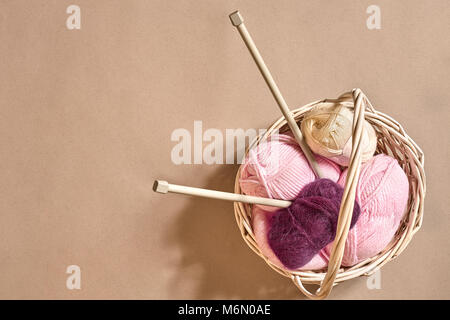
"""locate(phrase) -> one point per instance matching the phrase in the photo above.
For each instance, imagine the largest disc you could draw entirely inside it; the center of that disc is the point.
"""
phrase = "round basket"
(393, 141)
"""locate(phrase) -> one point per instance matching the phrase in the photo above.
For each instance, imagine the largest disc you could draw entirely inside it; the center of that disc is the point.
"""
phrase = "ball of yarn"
(277, 168)
(297, 233)
(261, 225)
(382, 192)
(327, 129)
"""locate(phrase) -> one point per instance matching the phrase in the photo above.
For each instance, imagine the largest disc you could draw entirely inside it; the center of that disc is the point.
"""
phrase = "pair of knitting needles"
(165, 187)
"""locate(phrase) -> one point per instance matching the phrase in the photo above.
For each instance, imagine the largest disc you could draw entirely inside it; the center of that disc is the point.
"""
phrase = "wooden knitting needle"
(238, 22)
(165, 187)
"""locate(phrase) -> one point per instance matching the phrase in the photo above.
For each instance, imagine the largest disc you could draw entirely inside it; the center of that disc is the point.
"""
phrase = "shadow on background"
(209, 240)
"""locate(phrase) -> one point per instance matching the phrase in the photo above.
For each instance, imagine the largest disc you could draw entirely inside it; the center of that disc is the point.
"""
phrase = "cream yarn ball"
(327, 129)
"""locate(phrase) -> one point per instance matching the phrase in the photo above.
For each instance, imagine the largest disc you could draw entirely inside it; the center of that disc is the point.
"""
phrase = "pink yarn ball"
(277, 168)
(382, 193)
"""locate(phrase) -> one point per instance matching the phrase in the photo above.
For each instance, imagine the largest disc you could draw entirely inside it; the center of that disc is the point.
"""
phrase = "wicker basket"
(392, 140)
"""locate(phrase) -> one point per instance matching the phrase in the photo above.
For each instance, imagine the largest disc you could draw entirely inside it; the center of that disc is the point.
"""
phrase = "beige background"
(86, 118)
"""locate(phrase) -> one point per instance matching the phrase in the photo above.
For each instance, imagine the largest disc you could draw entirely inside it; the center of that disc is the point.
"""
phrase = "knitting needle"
(161, 186)
(238, 22)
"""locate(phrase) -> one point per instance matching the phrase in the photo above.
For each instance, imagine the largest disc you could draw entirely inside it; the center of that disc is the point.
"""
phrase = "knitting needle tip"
(236, 18)
(161, 186)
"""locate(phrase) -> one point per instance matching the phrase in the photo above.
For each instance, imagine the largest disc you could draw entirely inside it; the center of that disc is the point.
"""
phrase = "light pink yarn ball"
(277, 168)
(382, 193)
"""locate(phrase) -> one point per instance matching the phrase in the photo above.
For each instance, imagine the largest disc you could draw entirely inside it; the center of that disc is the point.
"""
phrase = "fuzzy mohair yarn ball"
(327, 129)
(261, 225)
(297, 233)
(277, 168)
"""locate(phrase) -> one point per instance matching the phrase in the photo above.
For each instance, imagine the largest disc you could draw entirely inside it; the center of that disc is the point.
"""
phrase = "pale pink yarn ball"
(382, 193)
(277, 168)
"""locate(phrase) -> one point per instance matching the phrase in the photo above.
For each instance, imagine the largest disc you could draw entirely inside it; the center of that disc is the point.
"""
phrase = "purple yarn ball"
(299, 232)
